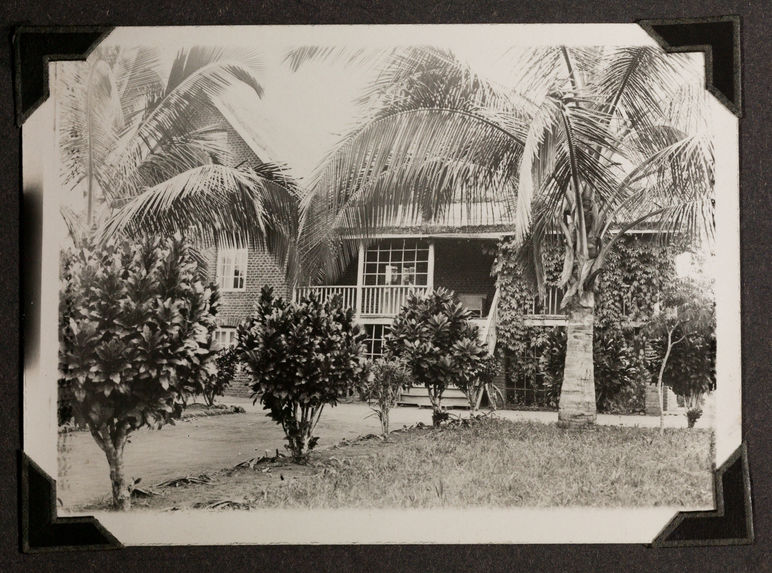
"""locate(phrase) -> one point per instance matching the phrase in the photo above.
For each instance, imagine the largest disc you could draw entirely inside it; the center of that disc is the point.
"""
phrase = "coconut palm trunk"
(577, 396)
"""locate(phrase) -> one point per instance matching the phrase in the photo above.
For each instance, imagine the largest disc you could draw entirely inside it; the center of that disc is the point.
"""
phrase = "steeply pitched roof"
(236, 115)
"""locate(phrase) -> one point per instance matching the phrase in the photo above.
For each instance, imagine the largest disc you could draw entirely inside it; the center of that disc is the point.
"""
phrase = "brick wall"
(262, 270)
(261, 267)
(461, 266)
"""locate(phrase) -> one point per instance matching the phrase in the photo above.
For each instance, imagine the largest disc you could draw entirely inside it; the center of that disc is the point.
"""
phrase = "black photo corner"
(41, 529)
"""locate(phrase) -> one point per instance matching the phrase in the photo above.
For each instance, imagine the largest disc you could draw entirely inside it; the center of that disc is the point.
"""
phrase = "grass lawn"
(491, 462)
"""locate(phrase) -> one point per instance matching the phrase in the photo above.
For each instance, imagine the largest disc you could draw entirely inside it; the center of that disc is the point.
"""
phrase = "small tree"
(476, 370)
(225, 370)
(691, 369)
(686, 318)
(301, 356)
(434, 336)
(383, 386)
(135, 340)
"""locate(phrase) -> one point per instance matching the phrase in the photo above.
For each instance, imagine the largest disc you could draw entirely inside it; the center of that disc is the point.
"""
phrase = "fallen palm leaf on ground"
(187, 480)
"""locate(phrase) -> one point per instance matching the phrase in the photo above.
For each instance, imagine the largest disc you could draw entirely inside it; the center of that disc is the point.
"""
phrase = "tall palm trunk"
(576, 407)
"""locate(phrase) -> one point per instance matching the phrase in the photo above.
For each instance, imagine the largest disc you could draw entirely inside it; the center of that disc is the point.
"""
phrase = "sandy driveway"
(207, 444)
(202, 445)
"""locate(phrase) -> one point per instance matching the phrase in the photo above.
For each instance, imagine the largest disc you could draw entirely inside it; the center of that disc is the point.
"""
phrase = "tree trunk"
(121, 493)
(576, 407)
(660, 393)
(112, 444)
(435, 398)
(474, 396)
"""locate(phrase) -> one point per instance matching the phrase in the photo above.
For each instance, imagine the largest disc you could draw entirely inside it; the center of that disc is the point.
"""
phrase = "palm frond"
(638, 82)
(407, 166)
(180, 152)
(139, 80)
(302, 55)
(190, 61)
(561, 159)
(424, 77)
(172, 115)
(215, 204)
(90, 116)
(678, 174)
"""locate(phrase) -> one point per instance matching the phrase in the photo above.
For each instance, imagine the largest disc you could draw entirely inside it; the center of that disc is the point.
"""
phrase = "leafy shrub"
(214, 384)
(551, 362)
(617, 370)
(383, 386)
(692, 415)
(691, 368)
(435, 338)
(301, 356)
(684, 335)
(135, 339)
(476, 369)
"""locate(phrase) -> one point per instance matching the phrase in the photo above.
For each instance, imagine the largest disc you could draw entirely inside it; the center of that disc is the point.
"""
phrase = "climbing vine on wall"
(626, 291)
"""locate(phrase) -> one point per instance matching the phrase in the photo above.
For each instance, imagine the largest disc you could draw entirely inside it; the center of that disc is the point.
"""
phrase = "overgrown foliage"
(635, 276)
(301, 356)
(383, 386)
(226, 363)
(620, 370)
(135, 339)
(692, 415)
(434, 336)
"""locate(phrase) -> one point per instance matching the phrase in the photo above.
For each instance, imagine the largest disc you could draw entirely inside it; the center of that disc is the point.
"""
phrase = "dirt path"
(202, 445)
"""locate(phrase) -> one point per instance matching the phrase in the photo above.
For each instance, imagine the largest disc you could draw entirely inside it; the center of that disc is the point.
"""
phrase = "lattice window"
(397, 262)
(374, 340)
(232, 269)
(225, 337)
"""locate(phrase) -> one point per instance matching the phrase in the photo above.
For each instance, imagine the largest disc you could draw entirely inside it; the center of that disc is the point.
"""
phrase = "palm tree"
(583, 145)
(149, 146)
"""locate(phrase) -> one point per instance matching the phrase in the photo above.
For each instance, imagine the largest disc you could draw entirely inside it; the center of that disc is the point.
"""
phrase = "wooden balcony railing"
(379, 300)
(386, 300)
(347, 293)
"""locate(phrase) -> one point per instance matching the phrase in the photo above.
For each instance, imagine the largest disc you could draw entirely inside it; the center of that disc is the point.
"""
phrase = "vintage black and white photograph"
(385, 284)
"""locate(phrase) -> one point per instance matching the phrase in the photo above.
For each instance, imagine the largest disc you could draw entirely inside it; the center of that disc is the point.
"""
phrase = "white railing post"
(360, 278)
(430, 267)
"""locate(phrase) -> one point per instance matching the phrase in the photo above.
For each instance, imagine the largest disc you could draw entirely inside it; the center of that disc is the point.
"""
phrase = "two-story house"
(454, 249)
